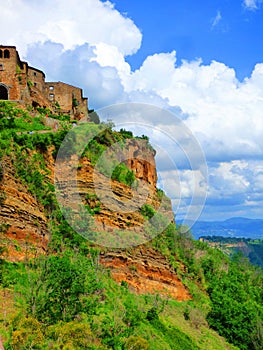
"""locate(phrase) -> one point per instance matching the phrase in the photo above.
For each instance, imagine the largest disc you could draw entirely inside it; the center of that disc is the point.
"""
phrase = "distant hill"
(250, 248)
(234, 227)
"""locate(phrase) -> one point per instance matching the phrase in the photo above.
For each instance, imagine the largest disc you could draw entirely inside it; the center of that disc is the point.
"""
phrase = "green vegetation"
(68, 301)
(17, 119)
(123, 174)
(106, 162)
(147, 211)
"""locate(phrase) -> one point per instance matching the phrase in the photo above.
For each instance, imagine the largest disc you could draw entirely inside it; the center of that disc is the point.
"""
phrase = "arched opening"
(6, 54)
(1, 54)
(3, 93)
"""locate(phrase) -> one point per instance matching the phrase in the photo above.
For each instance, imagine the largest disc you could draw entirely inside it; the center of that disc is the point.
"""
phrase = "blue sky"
(222, 30)
(200, 60)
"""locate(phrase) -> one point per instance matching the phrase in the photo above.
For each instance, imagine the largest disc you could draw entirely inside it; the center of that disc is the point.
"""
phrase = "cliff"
(146, 271)
(26, 227)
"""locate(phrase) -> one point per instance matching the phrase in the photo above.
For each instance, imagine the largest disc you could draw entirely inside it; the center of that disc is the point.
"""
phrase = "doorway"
(3, 93)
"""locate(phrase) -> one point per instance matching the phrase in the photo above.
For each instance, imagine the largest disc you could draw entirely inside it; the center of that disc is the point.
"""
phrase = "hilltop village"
(25, 84)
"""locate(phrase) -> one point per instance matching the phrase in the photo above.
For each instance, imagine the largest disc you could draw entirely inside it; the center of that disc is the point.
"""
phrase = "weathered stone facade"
(68, 97)
(20, 82)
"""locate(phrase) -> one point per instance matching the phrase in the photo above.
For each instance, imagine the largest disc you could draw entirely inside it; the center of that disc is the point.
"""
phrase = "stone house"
(25, 84)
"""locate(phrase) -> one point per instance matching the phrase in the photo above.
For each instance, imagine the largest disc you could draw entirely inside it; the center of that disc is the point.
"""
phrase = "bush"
(29, 335)
(123, 174)
(136, 343)
(147, 211)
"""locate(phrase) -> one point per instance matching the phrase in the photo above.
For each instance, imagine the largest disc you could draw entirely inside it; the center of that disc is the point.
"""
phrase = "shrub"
(136, 343)
(147, 211)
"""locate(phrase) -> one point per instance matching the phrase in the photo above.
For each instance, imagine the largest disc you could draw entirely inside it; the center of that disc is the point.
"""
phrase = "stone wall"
(37, 78)
(69, 98)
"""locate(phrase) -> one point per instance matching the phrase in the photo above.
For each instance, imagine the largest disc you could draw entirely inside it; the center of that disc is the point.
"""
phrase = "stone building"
(20, 82)
(67, 98)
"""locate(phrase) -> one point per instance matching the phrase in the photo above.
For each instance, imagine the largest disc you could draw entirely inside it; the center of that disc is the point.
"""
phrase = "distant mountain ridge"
(233, 227)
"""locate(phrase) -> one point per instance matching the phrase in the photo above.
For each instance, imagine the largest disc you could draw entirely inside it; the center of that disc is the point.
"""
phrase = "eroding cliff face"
(145, 271)
(141, 160)
(24, 222)
(24, 226)
(117, 204)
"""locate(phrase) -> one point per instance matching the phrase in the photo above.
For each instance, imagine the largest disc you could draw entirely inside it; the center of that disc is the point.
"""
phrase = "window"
(51, 97)
(35, 84)
(6, 54)
(51, 88)
(1, 54)
(35, 74)
(1, 67)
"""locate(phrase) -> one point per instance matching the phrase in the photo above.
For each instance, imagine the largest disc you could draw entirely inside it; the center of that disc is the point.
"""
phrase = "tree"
(67, 286)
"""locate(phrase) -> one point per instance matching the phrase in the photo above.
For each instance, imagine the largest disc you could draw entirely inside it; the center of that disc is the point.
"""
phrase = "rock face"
(116, 205)
(141, 160)
(145, 271)
(22, 221)
(1, 344)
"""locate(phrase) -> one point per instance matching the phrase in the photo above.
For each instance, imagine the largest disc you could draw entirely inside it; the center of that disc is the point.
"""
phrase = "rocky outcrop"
(140, 158)
(145, 271)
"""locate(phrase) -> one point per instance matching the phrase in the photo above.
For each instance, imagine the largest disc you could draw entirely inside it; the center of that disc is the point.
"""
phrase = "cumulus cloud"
(236, 183)
(68, 22)
(235, 189)
(224, 113)
(77, 67)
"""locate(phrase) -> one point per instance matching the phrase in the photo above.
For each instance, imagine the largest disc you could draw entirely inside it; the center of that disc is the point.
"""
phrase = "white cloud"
(68, 22)
(225, 114)
(252, 4)
(228, 179)
(236, 185)
(216, 19)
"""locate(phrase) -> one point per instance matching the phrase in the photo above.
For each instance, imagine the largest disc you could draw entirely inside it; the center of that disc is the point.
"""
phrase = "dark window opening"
(35, 84)
(35, 104)
(1, 67)
(35, 74)
(3, 93)
(1, 54)
(6, 54)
